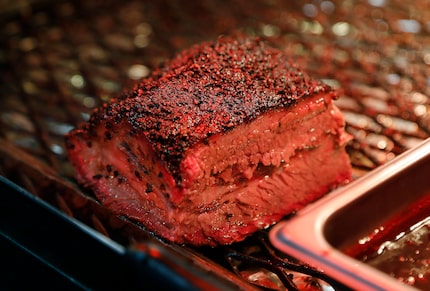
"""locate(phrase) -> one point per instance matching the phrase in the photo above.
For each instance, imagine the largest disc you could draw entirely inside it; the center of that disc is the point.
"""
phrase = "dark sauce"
(400, 247)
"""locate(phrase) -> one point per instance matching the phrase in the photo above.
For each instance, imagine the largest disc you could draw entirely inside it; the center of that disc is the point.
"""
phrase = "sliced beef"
(224, 140)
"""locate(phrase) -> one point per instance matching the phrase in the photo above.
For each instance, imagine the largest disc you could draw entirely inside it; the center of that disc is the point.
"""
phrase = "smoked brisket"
(225, 139)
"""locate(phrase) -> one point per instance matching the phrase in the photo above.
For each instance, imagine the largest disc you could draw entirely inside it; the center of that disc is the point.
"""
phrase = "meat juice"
(400, 247)
(406, 257)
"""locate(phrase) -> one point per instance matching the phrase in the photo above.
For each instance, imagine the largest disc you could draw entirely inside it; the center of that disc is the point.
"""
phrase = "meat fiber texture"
(225, 139)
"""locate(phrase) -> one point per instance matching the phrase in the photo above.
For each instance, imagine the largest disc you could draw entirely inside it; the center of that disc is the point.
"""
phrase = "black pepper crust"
(205, 90)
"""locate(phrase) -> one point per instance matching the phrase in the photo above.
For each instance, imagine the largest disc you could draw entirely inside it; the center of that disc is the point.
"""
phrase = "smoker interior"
(61, 59)
(392, 200)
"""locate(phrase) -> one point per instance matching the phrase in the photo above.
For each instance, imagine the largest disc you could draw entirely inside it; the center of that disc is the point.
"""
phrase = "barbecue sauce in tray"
(401, 246)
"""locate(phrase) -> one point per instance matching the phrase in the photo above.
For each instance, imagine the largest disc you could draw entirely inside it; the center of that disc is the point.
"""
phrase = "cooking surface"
(59, 61)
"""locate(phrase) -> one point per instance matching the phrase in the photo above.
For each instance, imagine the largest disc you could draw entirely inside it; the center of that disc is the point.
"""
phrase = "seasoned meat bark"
(224, 140)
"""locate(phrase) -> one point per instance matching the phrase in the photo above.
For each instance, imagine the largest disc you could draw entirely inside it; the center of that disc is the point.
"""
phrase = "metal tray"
(338, 222)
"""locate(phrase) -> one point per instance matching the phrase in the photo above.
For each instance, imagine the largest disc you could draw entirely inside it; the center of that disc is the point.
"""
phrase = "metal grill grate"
(59, 61)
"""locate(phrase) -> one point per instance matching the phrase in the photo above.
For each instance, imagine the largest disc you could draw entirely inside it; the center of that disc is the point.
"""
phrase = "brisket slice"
(224, 140)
